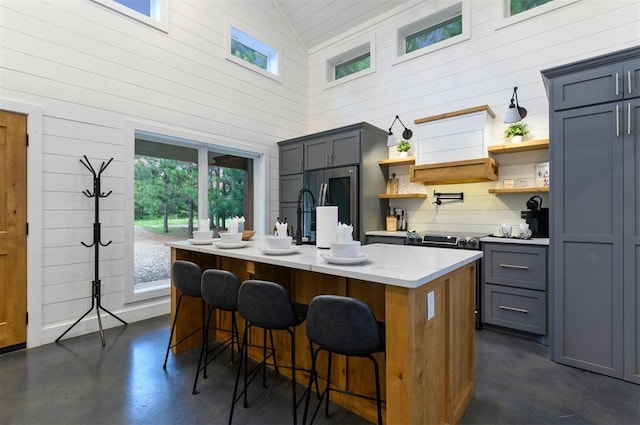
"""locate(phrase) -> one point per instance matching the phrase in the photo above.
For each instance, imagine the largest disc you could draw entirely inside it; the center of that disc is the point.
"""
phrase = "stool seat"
(185, 277)
(220, 292)
(345, 326)
(267, 305)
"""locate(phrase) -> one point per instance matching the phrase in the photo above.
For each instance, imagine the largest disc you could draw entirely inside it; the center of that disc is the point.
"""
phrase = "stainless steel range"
(454, 240)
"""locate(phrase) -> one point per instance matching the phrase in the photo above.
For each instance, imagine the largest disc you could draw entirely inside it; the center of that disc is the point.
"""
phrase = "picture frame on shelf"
(542, 174)
(509, 183)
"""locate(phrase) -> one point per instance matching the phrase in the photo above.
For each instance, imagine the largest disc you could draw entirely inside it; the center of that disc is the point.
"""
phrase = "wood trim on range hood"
(468, 171)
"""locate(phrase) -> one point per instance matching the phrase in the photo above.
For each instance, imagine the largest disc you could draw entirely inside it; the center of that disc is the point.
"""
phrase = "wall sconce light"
(406, 134)
(515, 112)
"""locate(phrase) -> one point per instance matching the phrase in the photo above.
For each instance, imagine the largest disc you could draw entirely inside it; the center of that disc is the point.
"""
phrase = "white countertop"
(498, 239)
(397, 265)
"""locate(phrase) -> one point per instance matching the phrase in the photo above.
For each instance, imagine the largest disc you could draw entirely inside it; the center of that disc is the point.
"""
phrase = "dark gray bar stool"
(220, 291)
(186, 279)
(346, 326)
(267, 305)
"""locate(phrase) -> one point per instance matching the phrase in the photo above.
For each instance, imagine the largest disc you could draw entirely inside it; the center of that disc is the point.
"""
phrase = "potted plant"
(515, 131)
(403, 147)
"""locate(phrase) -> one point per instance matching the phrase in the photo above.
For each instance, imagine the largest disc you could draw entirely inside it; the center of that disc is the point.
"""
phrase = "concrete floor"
(79, 382)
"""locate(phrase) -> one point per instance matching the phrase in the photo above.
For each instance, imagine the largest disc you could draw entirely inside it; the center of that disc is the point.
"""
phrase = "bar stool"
(220, 291)
(346, 326)
(186, 279)
(267, 305)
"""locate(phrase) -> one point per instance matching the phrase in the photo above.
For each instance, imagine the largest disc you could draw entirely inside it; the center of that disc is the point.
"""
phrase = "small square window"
(252, 53)
(434, 34)
(519, 6)
(352, 66)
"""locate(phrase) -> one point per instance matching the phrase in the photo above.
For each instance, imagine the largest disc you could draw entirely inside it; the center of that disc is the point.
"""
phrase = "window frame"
(349, 51)
(461, 8)
(260, 155)
(271, 50)
(159, 18)
(504, 18)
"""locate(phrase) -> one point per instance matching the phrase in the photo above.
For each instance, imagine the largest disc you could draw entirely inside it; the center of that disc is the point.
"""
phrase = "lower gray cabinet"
(514, 287)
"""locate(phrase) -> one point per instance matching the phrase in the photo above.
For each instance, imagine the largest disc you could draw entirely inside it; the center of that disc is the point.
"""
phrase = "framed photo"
(542, 174)
(509, 183)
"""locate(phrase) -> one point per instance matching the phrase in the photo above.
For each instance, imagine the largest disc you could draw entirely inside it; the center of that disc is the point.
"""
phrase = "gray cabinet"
(359, 147)
(595, 213)
(514, 287)
(291, 159)
(334, 150)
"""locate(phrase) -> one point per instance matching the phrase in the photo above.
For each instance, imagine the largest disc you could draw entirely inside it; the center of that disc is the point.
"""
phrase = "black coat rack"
(96, 291)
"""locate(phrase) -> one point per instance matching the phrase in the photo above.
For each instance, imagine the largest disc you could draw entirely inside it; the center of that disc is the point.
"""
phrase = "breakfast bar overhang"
(425, 296)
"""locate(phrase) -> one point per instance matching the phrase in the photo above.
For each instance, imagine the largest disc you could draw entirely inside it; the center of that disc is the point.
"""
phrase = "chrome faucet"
(300, 211)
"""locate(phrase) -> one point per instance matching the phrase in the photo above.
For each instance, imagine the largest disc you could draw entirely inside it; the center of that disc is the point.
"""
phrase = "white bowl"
(202, 234)
(230, 237)
(345, 249)
(277, 242)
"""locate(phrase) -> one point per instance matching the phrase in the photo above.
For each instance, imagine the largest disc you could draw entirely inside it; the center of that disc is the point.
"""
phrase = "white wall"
(90, 73)
(481, 70)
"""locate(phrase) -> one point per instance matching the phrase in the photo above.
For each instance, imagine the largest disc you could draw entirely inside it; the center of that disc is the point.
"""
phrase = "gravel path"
(152, 260)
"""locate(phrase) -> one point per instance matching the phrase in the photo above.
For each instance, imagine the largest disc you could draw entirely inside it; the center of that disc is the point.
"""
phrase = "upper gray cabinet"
(291, 159)
(598, 85)
(332, 151)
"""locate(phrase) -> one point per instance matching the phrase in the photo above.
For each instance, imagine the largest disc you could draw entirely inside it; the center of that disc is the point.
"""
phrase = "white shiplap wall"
(91, 73)
(481, 70)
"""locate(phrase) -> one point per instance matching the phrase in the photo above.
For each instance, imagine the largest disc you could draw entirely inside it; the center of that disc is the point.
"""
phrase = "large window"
(252, 53)
(519, 6)
(166, 201)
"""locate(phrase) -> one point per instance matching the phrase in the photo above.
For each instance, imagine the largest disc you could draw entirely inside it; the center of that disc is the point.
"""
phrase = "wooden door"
(13, 230)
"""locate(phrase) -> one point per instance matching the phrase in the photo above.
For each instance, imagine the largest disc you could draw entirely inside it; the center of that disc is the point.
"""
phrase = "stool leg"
(313, 376)
(273, 350)
(234, 335)
(235, 388)
(294, 399)
(203, 353)
(173, 328)
(328, 389)
(378, 400)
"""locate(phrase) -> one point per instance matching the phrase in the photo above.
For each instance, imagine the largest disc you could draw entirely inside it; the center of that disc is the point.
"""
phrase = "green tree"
(226, 194)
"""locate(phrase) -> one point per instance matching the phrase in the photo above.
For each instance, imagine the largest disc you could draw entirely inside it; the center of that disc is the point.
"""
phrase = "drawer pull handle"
(519, 310)
(513, 266)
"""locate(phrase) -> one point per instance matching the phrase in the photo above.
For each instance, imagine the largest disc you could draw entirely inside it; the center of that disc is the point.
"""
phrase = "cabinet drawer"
(515, 265)
(515, 308)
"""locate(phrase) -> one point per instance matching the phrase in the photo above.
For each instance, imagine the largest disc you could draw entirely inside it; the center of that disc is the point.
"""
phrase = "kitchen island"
(425, 296)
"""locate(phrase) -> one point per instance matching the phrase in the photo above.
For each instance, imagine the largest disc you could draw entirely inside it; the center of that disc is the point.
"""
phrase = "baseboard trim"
(130, 314)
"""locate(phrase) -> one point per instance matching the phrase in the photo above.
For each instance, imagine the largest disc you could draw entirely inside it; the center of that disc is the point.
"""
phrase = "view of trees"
(166, 188)
(518, 6)
(248, 54)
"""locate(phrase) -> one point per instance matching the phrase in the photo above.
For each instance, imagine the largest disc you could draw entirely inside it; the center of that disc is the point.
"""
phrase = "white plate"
(345, 260)
(231, 245)
(282, 251)
(201, 241)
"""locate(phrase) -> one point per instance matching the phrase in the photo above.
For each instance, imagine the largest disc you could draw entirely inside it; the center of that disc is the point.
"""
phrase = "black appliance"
(536, 217)
(453, 240)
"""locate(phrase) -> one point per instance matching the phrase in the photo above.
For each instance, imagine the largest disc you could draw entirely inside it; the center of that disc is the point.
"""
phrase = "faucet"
(299, 212)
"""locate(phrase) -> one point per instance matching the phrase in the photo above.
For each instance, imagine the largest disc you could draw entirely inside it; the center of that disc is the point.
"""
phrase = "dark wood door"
(13, 232)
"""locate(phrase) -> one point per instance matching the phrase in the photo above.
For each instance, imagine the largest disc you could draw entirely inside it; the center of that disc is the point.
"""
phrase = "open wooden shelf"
(401, 195)
(409, 160)
(503, 191)
(532, 145)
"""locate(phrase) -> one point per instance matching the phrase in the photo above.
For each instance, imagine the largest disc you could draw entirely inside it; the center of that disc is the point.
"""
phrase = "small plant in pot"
(403, 147)
(515, 131)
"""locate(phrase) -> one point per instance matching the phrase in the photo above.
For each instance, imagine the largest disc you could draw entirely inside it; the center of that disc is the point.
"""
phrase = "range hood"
(467, 171)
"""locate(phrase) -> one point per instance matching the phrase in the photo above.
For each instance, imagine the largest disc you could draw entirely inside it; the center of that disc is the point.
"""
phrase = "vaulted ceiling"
(316, 21)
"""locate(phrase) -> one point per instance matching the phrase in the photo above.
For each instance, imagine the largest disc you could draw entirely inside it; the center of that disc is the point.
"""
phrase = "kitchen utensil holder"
(96, 290)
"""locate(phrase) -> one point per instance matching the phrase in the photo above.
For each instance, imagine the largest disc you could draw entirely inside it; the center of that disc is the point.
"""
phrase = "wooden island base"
(427, 372)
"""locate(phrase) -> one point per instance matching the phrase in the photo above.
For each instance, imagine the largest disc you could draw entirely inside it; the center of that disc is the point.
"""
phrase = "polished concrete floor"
(80, 382)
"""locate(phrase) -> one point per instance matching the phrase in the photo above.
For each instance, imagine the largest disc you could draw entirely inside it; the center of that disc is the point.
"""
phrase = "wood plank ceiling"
(316, 21)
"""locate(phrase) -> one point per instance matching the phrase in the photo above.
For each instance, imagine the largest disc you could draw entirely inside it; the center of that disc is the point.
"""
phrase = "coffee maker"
(536, 217)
